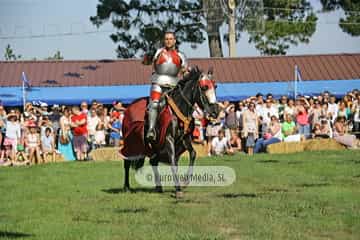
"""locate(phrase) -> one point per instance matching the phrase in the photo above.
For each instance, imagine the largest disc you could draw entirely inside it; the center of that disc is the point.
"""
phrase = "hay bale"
(322, 144)
(105, 154)
(201, 150)
(58, 158)
(285, 147)
(308, 145)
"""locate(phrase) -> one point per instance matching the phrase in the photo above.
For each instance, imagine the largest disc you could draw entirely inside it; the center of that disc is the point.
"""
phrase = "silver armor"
(167, 65)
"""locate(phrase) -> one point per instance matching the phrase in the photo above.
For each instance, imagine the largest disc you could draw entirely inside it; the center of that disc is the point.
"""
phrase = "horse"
(176, 121)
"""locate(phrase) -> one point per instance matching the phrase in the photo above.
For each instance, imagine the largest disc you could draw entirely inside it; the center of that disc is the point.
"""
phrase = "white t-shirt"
(13, 130)
(266, 113)
(218, 145)
(333, 108)
(92, 122)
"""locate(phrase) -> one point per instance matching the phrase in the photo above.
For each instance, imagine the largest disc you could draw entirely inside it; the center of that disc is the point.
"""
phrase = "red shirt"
(82, 129)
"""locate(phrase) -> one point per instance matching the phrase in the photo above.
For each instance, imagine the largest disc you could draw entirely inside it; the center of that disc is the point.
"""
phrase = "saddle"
(135, 125)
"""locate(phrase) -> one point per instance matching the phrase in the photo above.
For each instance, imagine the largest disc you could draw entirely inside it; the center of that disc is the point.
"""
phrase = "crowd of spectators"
(40, 132)
(254, 123)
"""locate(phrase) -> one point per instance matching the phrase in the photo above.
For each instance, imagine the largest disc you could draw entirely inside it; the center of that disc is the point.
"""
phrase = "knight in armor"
(168, 64)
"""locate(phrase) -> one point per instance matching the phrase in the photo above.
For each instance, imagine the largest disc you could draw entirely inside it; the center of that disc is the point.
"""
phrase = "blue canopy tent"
(12, 96)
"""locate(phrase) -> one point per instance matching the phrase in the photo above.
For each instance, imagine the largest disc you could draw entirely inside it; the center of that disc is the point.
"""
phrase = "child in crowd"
(48, 145)
(115, 127)
(6, 154)
(21, 156)
(32, 142)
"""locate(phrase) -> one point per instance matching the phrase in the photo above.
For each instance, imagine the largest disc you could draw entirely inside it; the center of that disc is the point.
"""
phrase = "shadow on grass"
(131, 210)
(132, 190)
(277, 190)
(356, 176)
(267, 161)
(238, 195)
(295, 162)
(347, 162)
(11, 235)
(306, 185)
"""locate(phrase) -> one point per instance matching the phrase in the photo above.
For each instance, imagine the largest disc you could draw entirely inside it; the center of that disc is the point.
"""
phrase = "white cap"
(43, 104)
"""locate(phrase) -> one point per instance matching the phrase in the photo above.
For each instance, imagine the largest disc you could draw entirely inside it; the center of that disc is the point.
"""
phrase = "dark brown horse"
(173, 137)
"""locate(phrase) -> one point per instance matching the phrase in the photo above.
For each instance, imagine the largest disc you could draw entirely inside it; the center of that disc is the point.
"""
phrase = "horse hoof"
(159, 189)
(179, 195)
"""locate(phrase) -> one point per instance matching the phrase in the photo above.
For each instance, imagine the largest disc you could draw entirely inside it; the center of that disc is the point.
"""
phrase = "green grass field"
(313, 195)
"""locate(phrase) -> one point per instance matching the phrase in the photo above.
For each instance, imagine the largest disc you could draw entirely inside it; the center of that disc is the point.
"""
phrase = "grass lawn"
(313, 195)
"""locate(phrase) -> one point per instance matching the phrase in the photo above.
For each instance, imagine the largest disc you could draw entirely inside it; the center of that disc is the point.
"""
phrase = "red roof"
(226, 70)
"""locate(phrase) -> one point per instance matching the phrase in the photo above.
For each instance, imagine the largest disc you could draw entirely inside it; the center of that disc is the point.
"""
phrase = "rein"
(185, 119)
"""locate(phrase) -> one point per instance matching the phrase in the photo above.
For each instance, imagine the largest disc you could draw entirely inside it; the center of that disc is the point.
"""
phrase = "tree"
(57, 56)
(283, 23)
(140, 24)
(10, 55)
(351, 23)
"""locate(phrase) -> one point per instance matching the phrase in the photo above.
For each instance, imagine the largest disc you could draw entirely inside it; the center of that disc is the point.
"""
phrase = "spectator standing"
(100, 137)
(230, 121)
(315, 113)
(2, 124)
(290, 109)
(92, 122)
(239, 112)
(54, 118)
(265, 114)
(115, 129)
(356, 111)
(343, 110)
(80, 132)
(13, 132)
(251, 126)
(281, 108)
(332, 108)
(84, 107)
(302, 118)
(65, 143)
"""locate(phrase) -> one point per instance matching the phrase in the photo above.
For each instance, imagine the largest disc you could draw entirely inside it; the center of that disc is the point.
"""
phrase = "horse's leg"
(154, 164)
(171, 154)
(126, 179)
(192, 157)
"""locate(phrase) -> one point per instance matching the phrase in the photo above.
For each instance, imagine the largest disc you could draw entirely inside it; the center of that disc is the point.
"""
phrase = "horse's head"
(207, 94)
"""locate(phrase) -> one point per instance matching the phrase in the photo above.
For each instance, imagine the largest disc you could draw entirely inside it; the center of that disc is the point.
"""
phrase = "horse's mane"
(193, 75)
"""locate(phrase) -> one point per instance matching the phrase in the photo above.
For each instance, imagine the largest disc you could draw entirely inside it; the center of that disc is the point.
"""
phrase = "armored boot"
(152, 117)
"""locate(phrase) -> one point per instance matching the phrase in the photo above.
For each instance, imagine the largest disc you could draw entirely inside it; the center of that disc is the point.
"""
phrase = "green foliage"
(57, 56)
(140, 24)
(351, 23)
(286, 23)
(9, 54)
(309, 195)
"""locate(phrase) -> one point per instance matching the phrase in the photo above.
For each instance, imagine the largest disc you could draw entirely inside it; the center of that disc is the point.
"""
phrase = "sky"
(37, 17)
